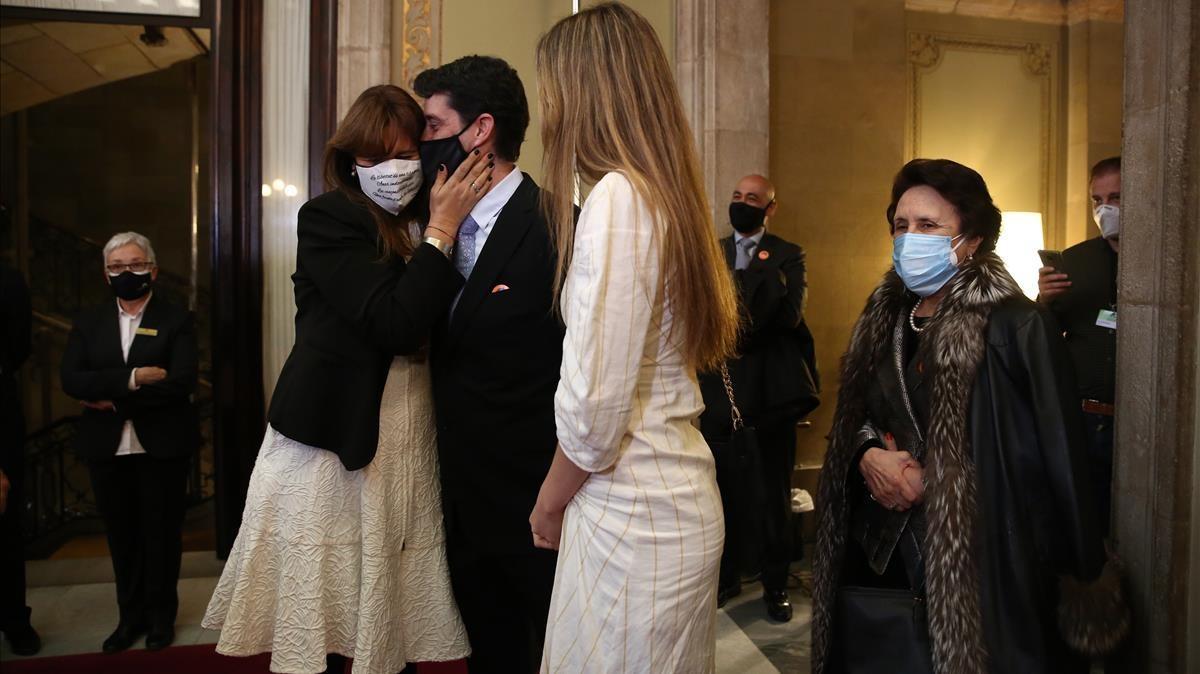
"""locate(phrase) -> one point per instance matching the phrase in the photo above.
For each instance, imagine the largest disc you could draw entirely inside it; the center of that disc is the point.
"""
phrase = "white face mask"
(1108, 219)
(391, 184)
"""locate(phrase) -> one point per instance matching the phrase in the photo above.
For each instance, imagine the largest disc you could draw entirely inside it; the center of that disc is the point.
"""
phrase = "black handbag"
(883, 630)
(739, 471)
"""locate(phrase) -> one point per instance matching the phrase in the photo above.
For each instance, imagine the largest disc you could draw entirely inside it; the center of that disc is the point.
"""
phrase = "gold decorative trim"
(420, 34)
(926, 52)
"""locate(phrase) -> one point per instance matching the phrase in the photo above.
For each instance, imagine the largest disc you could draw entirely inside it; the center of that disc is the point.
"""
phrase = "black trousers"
(13, 611)
(777, 446)
(504, 600)
(141, 499)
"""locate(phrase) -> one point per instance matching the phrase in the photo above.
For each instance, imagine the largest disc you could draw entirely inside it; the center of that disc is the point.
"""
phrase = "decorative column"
(364, 47)
(722, 66)
(1156, 514)
(285, 103)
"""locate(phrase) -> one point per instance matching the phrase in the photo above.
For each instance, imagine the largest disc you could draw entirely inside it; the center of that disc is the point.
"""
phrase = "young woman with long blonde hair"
(631, 500)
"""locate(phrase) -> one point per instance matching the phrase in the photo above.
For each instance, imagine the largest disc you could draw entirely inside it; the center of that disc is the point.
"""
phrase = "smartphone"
(1052, 258)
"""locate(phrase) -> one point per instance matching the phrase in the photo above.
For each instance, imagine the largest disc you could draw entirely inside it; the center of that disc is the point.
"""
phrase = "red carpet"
(177, 660)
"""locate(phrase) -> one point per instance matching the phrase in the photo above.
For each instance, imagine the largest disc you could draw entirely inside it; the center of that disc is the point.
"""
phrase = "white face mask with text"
(392, 184)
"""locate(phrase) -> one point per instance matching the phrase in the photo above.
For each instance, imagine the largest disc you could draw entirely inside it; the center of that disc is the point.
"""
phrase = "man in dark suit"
(775, 385)
(495, 369)
(16, 316)
(132, 363)
(1083, 297)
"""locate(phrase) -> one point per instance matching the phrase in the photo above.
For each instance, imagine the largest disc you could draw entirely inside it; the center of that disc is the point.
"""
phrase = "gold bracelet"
(444, 248)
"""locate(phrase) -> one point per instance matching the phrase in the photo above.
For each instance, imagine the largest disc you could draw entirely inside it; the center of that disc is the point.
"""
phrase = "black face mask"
(448, 151)
(746, 218)
(130, 286)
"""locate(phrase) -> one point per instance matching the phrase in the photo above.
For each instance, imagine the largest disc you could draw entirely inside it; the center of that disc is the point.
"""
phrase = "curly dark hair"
(479, 84)
(962, 186)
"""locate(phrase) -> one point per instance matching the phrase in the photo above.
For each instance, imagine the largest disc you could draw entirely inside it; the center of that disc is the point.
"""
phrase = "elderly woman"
(954, 495)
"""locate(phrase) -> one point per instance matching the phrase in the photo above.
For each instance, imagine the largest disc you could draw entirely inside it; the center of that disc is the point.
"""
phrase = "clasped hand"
(895, 479)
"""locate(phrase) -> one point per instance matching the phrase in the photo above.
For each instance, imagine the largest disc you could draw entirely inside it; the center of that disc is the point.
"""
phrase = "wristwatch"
(446, 249)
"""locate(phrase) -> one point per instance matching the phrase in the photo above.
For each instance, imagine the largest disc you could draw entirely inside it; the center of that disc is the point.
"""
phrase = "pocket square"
(499, 289)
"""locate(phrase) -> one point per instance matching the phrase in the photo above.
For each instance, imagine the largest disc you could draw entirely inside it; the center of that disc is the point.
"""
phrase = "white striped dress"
(635, 589)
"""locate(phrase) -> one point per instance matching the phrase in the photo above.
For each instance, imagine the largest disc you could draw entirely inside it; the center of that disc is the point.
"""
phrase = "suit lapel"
(758, 264)
(110, 331)
(730, 251)
(150, 321)
(506, 235)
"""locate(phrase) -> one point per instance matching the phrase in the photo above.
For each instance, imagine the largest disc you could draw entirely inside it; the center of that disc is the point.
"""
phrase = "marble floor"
(74, 610)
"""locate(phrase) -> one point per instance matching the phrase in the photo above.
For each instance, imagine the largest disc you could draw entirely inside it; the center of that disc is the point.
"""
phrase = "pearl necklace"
(912, 318)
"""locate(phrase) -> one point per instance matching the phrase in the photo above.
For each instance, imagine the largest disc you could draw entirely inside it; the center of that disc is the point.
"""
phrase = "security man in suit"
(775, 385)
(132, 364)
(496, 362)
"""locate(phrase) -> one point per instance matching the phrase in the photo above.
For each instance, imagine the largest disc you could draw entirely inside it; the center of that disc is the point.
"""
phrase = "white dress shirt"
(129, 326)
(487, 211)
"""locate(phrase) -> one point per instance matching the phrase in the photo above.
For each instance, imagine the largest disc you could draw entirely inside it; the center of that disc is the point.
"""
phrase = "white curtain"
(284, 169)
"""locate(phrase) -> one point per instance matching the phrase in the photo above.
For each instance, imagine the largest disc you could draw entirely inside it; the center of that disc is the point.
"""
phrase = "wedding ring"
(473, 186)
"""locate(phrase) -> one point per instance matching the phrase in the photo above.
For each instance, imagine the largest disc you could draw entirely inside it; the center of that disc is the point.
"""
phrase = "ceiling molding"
(1054, 12)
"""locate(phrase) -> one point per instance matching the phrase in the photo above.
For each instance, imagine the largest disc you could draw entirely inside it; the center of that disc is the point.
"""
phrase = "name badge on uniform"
(1107, 318)
(149, 332)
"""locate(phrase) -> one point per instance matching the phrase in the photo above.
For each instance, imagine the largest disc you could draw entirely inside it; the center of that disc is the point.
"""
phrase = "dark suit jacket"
(775, 377)
(93, 369)
(15, 326)
(1092, 266)
(495, 371)
(355, 311)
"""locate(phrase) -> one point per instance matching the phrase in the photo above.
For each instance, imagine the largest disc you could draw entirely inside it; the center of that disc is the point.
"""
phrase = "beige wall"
(979, 98)
(510, 30)
(837, 138)
(1094, 74)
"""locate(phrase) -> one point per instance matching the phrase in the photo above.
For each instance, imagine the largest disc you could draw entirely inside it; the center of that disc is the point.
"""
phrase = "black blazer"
(495, 371)
(93, 369)
(355, 311)
(775, 378)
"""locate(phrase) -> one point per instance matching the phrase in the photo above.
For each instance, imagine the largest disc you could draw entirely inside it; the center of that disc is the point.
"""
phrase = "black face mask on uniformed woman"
(746, 218)
(130, 286)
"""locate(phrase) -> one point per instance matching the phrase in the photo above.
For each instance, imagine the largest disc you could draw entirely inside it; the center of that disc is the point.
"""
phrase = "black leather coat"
(1005, 477)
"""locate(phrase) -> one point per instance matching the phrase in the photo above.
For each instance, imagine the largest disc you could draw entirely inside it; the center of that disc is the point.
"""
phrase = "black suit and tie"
(495, 371)
(140, 495)
(775, 383)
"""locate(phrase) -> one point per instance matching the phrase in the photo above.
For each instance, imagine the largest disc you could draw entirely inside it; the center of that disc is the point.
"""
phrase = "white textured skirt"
(351, 562)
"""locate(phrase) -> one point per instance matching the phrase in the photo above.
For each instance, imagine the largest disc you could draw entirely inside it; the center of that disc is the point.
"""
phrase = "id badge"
(1107, 318)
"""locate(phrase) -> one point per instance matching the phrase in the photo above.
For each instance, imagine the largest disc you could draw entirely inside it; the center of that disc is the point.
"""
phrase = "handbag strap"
(734, 413)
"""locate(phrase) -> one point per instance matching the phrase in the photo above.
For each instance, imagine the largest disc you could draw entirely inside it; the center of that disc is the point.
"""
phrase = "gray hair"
(127, 238)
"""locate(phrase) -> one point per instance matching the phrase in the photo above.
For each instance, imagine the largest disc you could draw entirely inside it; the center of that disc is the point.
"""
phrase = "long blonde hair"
(609, 103)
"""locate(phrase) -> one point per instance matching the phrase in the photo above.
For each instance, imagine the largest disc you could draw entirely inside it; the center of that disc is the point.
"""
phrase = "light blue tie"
(464, 249)
(744, 247)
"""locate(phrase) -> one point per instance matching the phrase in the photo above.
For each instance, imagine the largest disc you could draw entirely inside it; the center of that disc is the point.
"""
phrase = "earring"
(353, 171)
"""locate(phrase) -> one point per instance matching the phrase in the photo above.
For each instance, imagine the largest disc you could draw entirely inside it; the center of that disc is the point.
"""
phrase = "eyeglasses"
(135, 267)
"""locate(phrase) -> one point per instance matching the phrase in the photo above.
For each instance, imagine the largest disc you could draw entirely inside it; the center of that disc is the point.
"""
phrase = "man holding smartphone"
(1080, 287)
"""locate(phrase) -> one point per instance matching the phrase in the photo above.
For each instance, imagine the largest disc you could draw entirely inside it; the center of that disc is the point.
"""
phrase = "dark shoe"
(779, 608)
(23, 639)
(160, 637)
(724, 594)
(123, 638)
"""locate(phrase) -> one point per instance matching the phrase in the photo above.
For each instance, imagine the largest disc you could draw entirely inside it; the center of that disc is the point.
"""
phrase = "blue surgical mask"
(925, 262)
